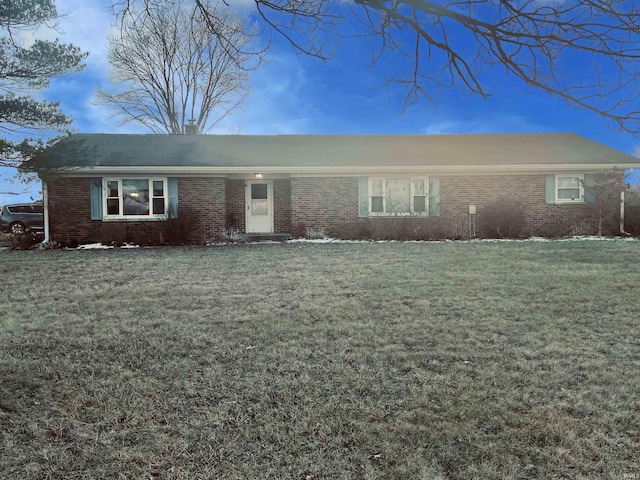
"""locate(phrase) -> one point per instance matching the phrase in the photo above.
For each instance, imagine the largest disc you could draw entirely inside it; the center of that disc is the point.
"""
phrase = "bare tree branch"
(586, 52)
(169, 70)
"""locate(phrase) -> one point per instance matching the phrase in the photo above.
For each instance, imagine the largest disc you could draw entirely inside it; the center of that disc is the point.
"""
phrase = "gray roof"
(349, 150)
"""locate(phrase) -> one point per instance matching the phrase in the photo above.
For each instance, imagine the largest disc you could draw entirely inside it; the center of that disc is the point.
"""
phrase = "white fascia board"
(341, 171)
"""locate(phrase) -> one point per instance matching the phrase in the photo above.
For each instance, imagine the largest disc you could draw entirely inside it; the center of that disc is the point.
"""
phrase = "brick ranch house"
(133, 184)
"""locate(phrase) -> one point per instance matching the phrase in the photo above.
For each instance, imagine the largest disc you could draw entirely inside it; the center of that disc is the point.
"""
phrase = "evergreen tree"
(25, 67)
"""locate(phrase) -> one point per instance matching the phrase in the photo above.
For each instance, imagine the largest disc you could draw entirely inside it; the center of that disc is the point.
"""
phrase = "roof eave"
(342, 170)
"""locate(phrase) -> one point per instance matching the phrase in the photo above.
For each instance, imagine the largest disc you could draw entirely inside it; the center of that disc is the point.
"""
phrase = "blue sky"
(294, 94)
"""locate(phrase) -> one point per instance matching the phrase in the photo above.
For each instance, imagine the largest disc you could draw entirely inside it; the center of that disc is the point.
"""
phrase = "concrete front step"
(264, 237)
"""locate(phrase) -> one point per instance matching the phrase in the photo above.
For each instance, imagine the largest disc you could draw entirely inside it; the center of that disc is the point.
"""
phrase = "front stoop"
(264, 237)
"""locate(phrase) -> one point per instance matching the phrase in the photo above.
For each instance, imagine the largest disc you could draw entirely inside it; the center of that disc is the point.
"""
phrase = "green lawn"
(302, 361)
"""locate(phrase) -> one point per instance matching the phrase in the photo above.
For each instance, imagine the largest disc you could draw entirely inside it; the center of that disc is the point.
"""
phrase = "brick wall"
(320, 203)
(236, 205)
(205, 198)
(324, 203)
(457, 193)
(332, 204)
(201, 200)
(282, 205)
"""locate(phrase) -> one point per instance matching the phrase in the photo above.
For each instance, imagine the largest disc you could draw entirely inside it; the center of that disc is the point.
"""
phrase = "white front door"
(259, 202)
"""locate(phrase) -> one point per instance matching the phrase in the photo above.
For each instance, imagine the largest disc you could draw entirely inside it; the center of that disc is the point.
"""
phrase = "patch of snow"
(94, 246)
(581, 238)
(100, 246)
(324, 240)
(595, 238)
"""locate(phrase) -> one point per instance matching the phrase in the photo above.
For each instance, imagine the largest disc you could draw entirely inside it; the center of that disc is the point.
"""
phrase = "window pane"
(569, 194)
(419, 204)
(418, 186)
(376, 188)
(158, 189)
(259, 207)
(377, 205)
(398, 195)
(112, 189)
(135, 195)
(113, 206)
(568, 182)
(259, 191)
(158, 206)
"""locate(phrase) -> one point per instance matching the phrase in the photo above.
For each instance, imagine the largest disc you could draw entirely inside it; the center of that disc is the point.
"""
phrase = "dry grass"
(364, 361)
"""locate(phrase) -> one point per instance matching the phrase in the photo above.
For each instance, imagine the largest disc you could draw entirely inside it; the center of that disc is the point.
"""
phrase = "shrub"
(26, 240)
(390, 228)
(455, 228)
(430, 228)
(632, 219)
(179, 231)
(503, 218)
(314, 234)
(232, 235)
(555, 228)
(583, 228)
(403, 228)
(352, 230)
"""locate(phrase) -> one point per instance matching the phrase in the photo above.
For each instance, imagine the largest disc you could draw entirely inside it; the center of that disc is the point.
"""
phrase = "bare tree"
(170, 70)
(605, 187)
(586, 52)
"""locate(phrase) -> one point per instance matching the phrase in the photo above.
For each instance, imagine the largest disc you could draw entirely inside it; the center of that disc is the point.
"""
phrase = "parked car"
(21, 217)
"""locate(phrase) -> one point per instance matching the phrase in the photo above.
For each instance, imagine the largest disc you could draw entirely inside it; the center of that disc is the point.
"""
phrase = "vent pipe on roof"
(191, 128)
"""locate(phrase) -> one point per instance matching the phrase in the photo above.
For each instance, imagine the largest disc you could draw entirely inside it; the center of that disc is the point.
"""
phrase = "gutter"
(334, 170)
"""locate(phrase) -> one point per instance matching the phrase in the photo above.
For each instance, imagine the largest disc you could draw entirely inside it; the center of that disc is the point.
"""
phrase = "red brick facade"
(324, 203)
(282, 205)
(202, 201)
(457, 193)
(236, 205)
(215, 204)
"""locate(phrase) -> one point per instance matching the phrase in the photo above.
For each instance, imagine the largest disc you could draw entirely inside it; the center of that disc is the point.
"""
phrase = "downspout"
(45, 204)
(622, 231)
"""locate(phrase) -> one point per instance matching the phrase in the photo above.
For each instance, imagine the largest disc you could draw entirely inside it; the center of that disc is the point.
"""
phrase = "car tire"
(17, 228)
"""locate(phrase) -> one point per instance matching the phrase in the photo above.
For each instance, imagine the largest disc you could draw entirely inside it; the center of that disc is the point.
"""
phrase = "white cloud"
(87, 25)
(489, 123)
(276, 104)
(84, 24)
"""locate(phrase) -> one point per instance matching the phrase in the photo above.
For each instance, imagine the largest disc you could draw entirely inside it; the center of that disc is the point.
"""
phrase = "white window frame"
(411, 213)
(120, 215)
(580, 186)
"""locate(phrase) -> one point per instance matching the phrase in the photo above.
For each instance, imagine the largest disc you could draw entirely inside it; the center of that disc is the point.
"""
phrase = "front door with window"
(259, 206)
